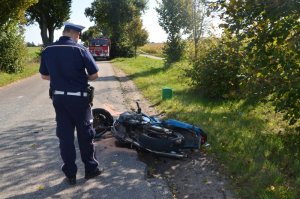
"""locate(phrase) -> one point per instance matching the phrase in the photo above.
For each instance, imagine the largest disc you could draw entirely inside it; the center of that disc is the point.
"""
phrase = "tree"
(12, 45)
(13, 10)
(138, 36)
(197, 12)
(30, 44)
(173, 19)
(112, 17)
(270, 32)
(50, 15)
(12, 49)
(90, 33)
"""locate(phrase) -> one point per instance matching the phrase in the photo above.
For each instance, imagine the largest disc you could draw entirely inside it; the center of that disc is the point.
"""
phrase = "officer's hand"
(45, 77)
(93, 76)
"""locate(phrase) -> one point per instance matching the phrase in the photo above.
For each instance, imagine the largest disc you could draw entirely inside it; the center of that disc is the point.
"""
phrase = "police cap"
(77, 28)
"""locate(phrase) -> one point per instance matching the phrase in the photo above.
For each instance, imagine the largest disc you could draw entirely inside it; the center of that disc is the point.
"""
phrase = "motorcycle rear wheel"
(102, 121)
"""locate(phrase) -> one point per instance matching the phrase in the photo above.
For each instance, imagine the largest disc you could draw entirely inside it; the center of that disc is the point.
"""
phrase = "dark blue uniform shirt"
(68, 65)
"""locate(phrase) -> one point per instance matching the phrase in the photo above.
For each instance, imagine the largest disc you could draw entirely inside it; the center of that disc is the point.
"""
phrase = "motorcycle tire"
(102, 121)
(161, 142)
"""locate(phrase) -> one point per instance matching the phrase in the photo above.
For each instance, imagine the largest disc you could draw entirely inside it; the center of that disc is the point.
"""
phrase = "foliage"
(173, 19)
(31, 67)
(138, 35)
(89, 34)
(173, 50)
(216, 73)
(270, 32)
(12, 49)
(112, 17)
(13, 11)
(50, 15)
(197, 12)
(30, 44)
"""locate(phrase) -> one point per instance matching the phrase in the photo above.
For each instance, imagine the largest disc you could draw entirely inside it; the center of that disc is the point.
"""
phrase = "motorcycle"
(163, 137)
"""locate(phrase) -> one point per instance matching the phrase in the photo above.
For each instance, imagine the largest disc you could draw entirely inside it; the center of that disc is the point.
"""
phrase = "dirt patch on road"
(197, 176)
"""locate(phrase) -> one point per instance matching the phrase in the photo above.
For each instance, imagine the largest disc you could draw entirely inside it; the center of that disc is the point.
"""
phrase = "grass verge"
(30, 68)
(257, 150)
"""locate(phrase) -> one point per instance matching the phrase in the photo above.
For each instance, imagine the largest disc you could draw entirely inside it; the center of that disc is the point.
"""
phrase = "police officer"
(69, 66)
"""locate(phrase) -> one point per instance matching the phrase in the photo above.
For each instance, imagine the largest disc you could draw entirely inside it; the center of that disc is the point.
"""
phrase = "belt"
(84, 94)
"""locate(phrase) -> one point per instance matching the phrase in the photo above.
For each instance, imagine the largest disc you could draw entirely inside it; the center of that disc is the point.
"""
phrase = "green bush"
(173, 50)
(216, 72)
(270, 32)
(12, 50)
(286, 81)
(272, 71)
(121, 47)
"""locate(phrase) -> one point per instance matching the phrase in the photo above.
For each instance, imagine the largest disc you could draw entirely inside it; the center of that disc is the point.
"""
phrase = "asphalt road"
(30, 160)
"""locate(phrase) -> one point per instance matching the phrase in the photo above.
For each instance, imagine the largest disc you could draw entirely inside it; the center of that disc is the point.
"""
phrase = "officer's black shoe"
(71, 180)
(93, 174)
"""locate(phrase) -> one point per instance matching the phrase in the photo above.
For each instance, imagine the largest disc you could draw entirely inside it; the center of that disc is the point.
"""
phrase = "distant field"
(30, 68)
(153, 49)
(33, 52)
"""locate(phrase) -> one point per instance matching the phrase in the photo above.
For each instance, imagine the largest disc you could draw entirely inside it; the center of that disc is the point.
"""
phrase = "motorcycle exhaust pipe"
(174, 155)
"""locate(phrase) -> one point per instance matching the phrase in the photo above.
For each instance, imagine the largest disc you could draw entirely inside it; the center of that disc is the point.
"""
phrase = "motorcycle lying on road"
(163, 137)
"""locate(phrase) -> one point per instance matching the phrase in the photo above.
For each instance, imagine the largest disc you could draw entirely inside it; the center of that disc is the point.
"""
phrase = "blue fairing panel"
(179, 124)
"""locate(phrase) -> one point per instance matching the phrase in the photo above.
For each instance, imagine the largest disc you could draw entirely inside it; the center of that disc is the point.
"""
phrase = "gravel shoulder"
(198, 176)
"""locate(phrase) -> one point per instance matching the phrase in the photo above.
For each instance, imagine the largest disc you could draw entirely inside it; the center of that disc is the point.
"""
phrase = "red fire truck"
(100, 47)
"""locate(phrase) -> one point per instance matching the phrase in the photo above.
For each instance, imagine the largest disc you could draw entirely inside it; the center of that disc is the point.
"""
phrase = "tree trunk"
(43, 27)
(194, 21)
(196, 48)
(44, 35)
(51, 34)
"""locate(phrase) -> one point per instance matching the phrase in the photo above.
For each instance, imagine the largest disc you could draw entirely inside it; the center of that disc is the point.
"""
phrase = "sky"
(150, 22)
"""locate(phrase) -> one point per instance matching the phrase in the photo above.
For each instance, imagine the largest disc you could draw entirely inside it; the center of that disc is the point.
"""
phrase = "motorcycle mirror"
(139, 110)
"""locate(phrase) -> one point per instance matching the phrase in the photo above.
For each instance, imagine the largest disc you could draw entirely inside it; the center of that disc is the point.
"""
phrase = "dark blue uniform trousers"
(75, 112)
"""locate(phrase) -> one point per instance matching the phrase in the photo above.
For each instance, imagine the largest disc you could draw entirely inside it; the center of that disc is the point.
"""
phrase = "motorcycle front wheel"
(102, 121)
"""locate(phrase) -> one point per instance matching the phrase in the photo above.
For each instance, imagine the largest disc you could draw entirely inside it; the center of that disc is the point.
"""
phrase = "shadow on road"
(30, 167)
(126, 78)
(113, 78)
(29, 157)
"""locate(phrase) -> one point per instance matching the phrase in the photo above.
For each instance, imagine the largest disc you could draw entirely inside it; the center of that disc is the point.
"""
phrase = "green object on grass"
(167, 93)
